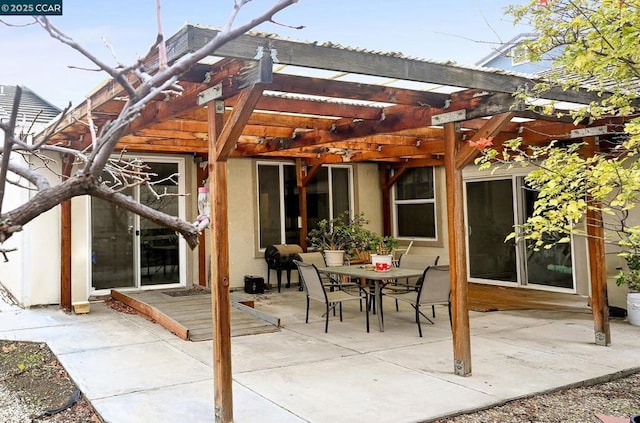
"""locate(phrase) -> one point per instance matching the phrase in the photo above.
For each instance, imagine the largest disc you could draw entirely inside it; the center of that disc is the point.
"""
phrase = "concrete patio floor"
(133, 370)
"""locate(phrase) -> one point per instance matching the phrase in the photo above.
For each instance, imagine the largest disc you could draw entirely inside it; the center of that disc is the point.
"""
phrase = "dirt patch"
(188, 292)
(119, 306)
(32, 374)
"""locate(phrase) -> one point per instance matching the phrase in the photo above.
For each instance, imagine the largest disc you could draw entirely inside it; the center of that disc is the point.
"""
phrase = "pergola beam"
(368, 63)
(239, 117)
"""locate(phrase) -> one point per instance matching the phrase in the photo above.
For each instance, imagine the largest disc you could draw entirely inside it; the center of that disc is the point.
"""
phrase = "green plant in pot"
(383, 245)
(631, 278)
(334, 237)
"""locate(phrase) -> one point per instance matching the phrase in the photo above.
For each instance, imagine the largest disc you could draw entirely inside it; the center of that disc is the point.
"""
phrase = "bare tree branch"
(30, 175)
(8, 140)
(97, 160)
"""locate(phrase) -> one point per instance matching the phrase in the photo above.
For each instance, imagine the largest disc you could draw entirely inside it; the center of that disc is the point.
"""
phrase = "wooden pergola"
(265, 97)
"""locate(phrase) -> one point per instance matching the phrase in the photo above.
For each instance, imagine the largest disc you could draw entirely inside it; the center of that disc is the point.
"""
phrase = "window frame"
(281, 181)
(394, 210)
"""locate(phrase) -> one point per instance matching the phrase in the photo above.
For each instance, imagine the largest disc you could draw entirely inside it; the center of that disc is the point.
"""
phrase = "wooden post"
(597, 263)
(457, 255)
(302, 202)
(386, 199)
(65, 242)
(219, 243)
(597, 269)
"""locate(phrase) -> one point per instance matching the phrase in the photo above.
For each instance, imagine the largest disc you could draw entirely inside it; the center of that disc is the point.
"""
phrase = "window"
(414, 205)
(328, 194)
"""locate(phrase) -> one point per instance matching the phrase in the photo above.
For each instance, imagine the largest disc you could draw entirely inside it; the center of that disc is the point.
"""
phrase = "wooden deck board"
(189, 316)
(491, 297)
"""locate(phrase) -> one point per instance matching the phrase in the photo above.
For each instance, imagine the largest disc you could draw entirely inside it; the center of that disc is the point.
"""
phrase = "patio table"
(372, 276)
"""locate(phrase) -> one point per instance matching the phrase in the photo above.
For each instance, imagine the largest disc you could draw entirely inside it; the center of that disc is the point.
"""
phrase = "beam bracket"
(210, 94)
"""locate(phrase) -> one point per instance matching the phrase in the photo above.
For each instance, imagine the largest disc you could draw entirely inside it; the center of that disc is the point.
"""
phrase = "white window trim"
(434, 201)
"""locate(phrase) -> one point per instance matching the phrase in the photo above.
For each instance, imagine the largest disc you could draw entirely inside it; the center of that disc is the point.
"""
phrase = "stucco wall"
(243, 255)
(32, 275)
(12, 272)
(368, 195)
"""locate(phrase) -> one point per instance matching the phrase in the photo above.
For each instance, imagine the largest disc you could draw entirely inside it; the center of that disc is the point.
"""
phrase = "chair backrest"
(311, 280)
(417, 261)
(436, 286)
(398, 252)
(315, 257)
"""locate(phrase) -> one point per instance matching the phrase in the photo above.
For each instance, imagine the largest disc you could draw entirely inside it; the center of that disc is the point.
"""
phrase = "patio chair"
(316, 290)
(317, 258)
(414, 261)
(434, 289)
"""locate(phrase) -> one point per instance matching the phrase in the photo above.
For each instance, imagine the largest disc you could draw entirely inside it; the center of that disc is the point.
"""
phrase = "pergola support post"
(219, 244)
(65, 243)
(302, 203)
(599, 306)
(597, 260)
(457, 254)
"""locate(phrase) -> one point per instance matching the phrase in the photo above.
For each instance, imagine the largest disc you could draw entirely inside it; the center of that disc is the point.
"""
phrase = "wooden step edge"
(153, 313)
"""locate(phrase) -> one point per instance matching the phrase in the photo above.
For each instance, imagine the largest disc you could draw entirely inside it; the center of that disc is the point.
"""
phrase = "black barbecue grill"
(280, 257)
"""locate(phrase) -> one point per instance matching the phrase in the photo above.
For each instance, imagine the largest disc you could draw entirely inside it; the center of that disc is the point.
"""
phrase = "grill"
(280, 257)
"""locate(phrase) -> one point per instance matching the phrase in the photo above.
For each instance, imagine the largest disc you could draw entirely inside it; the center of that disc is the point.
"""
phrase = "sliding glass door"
(490, 218)
(493, 208)
(551, 267)
(128, 251)
(113, 245)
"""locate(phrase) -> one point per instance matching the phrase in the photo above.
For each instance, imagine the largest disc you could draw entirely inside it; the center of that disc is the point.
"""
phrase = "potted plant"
(631, 278)
(383, 247)
(333, 237)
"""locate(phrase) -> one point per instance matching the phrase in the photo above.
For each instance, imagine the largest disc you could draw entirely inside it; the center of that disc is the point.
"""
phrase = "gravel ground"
(34, 387)
(12, 408)
(619, 398)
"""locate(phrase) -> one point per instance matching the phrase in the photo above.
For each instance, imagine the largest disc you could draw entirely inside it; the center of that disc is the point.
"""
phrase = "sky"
(462, 31)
